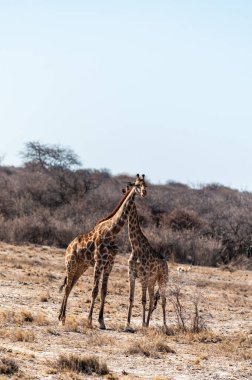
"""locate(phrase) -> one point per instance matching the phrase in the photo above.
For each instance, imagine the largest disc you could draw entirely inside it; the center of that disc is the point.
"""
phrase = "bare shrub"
(189, 317)
(8, 366)
(82, 364)
(185, 247)
(180, 219)
(49, 202)
(175, 297)
(197, 320)
(206, 251)
(39, 229)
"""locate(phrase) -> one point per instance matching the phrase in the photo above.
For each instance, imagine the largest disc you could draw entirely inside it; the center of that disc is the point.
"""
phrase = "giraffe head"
(139, 185)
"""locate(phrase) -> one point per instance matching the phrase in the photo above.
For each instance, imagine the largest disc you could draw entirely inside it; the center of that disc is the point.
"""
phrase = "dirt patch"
(31, 340)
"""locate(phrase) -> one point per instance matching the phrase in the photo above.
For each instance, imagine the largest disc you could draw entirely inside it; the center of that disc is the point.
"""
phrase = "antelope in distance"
(186, 269)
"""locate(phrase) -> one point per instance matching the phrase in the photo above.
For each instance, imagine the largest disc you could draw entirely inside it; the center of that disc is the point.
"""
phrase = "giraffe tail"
(156, 298)
(63, 285)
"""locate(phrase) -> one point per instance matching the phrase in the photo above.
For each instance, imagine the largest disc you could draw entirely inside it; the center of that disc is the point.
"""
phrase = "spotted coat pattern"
(98, 249)
(146, 266)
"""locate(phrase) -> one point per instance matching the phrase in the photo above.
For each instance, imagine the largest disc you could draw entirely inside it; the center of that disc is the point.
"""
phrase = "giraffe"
(98, 249)
(146, 265)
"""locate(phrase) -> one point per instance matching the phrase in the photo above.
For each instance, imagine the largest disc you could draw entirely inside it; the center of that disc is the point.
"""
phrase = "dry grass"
(77, 325)
(239, 346)
(8, 366)
(21, 317)
(199, 358)
(142, 348)
(82, 364)
(19, 335)
(98, 339)
(149, 348)
(247, 355)
(44, 297)
(206, 336)
(28, 316)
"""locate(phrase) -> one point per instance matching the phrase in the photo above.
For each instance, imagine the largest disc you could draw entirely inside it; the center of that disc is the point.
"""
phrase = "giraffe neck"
(115, 223)
(136, 235)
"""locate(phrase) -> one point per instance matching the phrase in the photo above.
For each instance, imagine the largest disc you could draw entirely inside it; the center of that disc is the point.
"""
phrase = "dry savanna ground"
(34, 346)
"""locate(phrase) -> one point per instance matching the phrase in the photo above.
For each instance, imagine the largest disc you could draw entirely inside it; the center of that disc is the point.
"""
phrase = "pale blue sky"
(159, 87)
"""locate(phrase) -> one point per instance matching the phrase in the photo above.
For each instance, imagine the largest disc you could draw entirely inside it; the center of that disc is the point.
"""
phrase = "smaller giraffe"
(146, 265)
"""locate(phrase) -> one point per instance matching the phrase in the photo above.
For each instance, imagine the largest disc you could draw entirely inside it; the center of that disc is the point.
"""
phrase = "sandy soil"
(30, 335)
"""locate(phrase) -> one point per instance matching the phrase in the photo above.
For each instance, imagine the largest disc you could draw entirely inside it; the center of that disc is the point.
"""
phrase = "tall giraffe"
(98, 249)
(146, 265)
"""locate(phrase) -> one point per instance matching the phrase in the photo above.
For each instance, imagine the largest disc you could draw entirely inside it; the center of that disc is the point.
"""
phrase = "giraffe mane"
(116, 208)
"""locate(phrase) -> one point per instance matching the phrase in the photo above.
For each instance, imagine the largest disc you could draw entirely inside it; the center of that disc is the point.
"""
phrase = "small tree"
(49, 156)
(59, 164)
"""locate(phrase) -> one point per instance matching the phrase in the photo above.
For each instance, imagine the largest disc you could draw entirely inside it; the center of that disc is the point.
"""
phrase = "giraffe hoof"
(89, 323)
(166, 330)
(102, 326)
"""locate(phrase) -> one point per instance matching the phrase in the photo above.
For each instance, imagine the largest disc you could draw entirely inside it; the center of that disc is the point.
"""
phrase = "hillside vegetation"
(49, 201)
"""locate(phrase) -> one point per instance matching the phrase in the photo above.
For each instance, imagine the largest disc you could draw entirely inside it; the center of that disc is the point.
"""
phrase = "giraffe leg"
(106, 272)
(156, 299)
(151, 303)
(63, 284)
(97, 274)
(144, 290)
(69, 285)
(131, 297)
(70, 281)
(162, 290)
